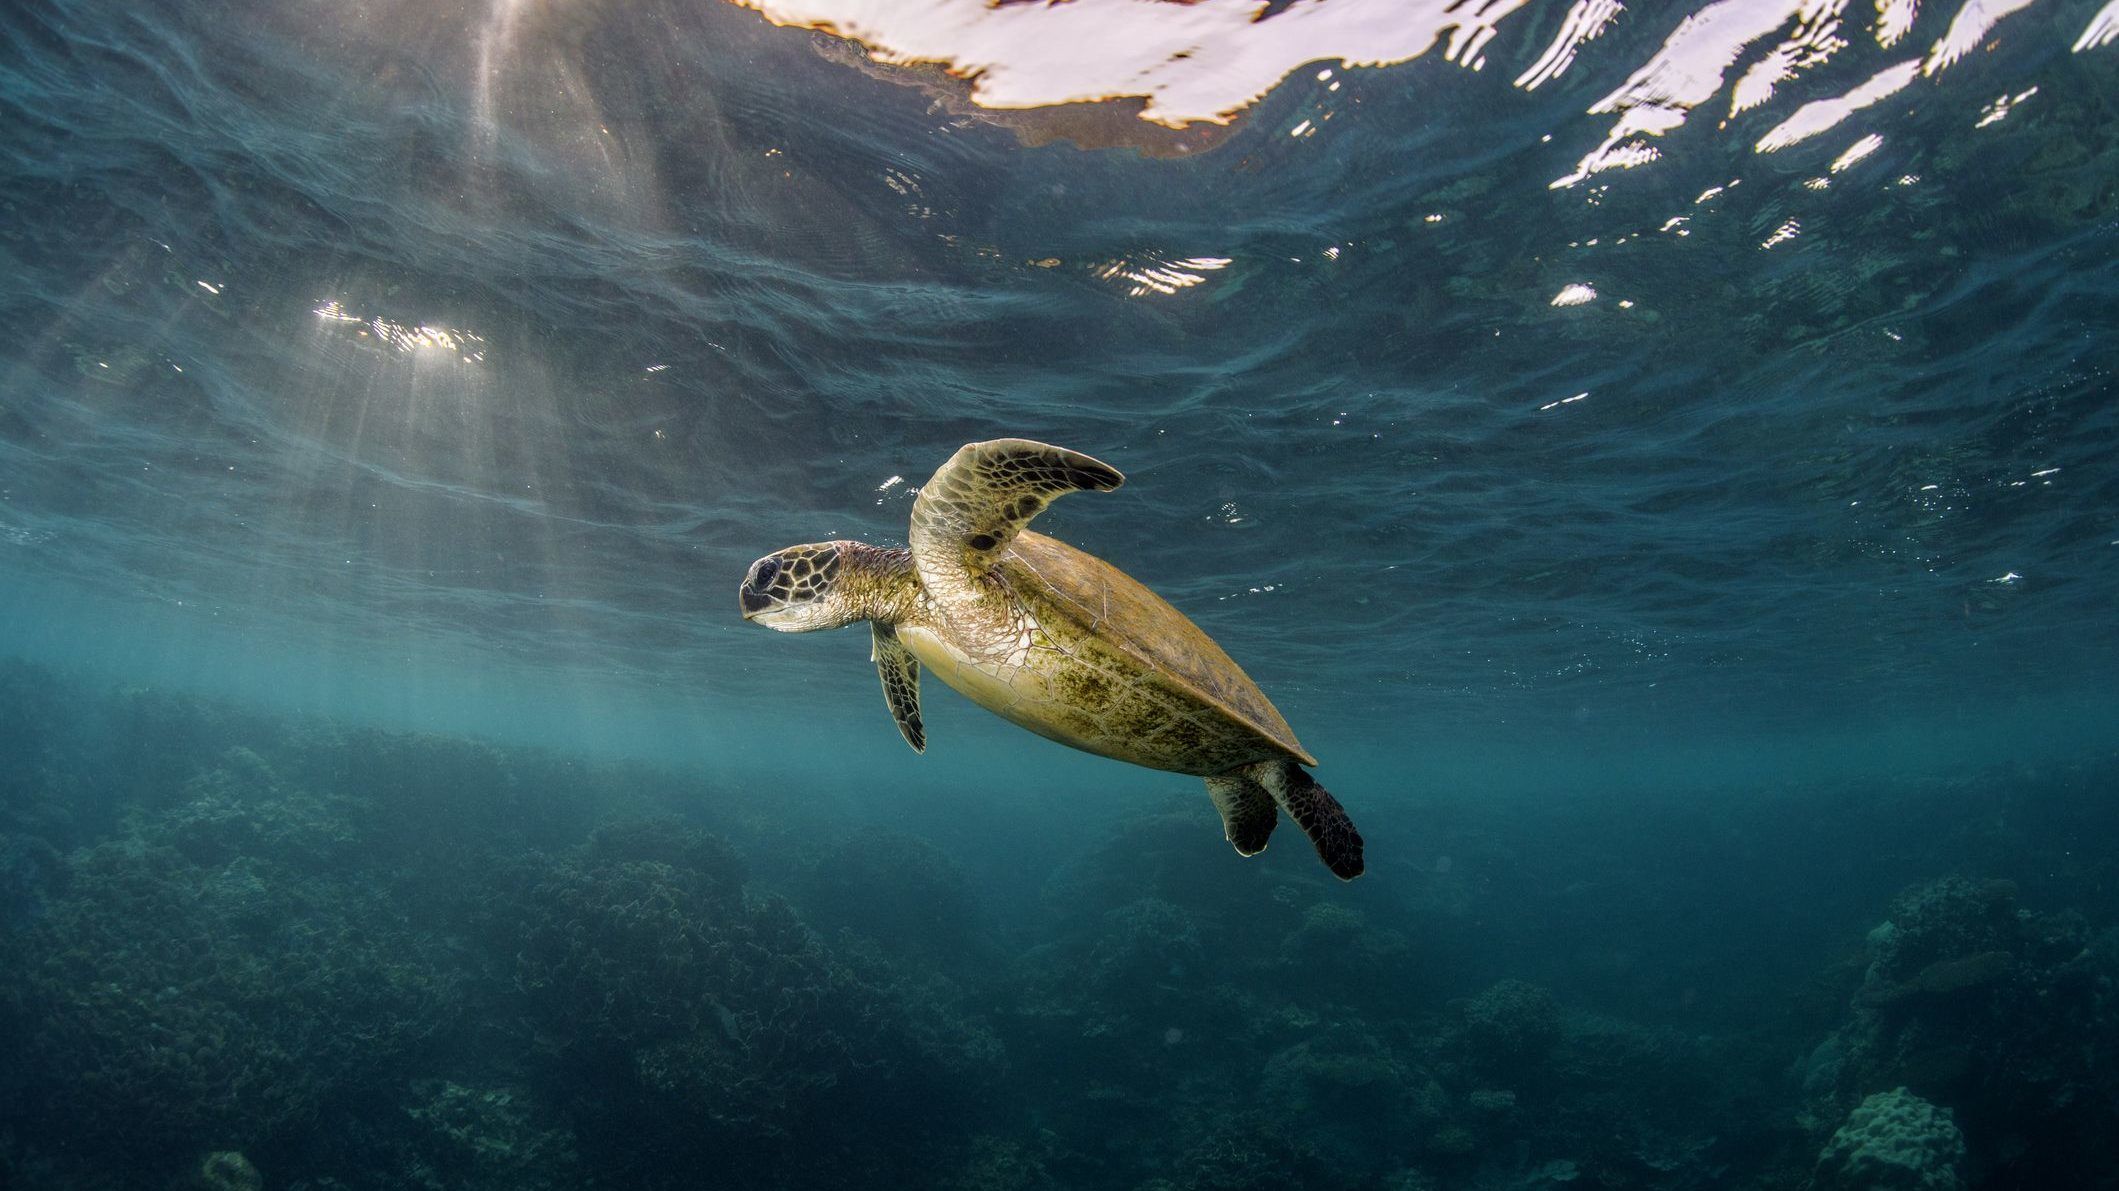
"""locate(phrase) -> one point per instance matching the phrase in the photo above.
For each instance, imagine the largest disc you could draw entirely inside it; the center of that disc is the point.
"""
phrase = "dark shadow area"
(248, 952)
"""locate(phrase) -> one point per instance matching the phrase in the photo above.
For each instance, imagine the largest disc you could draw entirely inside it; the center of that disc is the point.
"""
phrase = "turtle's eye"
(763, 573)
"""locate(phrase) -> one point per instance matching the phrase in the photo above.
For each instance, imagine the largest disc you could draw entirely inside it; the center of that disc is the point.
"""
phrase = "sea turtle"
(1056, 640)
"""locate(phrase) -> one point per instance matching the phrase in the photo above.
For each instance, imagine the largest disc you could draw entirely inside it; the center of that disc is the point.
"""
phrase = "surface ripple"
(399, 326)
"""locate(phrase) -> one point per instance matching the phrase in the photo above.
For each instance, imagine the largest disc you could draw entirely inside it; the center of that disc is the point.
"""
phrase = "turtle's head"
(797, 589)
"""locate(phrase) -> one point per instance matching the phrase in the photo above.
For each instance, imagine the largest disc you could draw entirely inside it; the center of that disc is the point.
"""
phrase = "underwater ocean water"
(1662, 460)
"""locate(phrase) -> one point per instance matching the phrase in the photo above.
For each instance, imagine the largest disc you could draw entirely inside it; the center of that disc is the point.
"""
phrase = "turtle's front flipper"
(1315, 811)
(1247, 815)
(901, 683)
(972, 507)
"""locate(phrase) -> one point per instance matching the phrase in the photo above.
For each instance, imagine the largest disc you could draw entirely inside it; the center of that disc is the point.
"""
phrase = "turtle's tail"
(1315, 811)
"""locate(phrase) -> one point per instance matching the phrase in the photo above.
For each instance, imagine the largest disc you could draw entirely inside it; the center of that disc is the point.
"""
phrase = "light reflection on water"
(469, 345)
(599, 299)
(1207, 62)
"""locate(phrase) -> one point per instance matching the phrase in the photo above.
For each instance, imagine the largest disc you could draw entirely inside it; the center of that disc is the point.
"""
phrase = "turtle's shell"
(1109, 606)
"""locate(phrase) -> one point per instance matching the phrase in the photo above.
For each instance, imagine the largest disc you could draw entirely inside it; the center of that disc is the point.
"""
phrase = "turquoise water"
(1673, 495)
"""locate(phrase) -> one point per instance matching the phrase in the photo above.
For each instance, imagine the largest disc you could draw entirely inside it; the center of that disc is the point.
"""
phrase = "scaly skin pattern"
(876, 583)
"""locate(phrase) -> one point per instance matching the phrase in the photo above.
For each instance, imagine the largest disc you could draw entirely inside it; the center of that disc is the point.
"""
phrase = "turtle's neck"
(879, 583)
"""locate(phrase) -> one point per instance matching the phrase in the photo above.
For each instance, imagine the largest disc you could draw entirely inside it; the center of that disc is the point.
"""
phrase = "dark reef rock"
(1893, 1141)
(1337, 942)
(1942, 936)
(227, 1170)
(704, 1021)
(1346, 1086)
(992, 1163)
(1149, 947)
(1511, 1023)
(372, 960)
(2007, 1019)
(166, 1002)
(902, 893)
(240, 808)
(487, 1137)
(1248, 1151)
(31, 873)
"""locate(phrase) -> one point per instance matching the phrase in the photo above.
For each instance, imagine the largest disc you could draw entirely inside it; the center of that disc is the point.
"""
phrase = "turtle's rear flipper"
(1315, 811)
(1247, 814)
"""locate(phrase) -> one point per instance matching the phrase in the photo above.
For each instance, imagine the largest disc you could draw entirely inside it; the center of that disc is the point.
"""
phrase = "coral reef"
(1336, 941)
(166, 1003)
(1893, 1141)
(486, 1137)
(994, 1163)
(31, 873)
(348, 959)
(228, 1170)
(1943, 937)
(712, 1021)
(895, 889)
(1347, 1084)
(273, 925)
(1245, 1151)
(2002, 1013)
(1511, 1022)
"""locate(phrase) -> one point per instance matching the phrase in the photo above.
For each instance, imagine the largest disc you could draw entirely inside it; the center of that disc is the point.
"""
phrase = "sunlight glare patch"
(467, 345)
(1856, 151)
(2103, 28)
(1823, 115)
(1967, 29)
(1584, 22)
(1997, 111)
(1159, 276)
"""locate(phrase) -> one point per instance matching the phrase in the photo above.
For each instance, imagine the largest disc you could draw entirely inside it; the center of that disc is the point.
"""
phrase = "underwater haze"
(1663, 461)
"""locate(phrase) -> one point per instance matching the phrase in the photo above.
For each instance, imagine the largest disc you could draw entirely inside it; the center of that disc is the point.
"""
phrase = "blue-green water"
(1674, 497)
